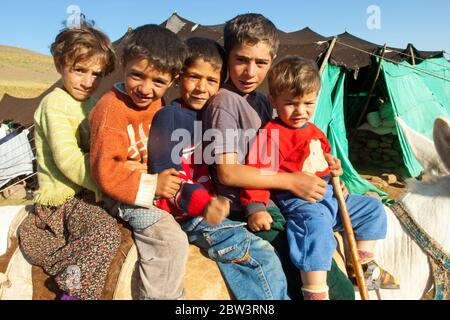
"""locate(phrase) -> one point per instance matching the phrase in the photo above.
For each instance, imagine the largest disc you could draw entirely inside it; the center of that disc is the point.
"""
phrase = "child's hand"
(307, 186)
(334, 164)
(260, 220)
(168, 183)
(343, 188)
(217, 210)
(136, 165)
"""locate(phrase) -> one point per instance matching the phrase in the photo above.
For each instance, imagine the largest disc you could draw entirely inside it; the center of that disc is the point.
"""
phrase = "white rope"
(393, 61)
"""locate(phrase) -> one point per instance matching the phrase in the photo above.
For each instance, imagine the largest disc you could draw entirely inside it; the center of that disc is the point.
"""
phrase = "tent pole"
(369, 96)
(348, 229)
(327, 55)
(412, 55)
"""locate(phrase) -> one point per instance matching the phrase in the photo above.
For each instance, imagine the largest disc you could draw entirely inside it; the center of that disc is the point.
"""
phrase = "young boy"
(69, 235)
(249, 264)
(152, 59)
(291, 143)
(251, 43)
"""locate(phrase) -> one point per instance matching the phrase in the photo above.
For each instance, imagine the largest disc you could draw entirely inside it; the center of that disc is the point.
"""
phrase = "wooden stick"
(369, 96)
(350, 237)
(327, 55)
(413, 59)
(348, 229)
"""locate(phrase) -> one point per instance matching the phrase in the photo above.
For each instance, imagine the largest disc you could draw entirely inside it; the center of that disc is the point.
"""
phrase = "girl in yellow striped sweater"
(69, 235)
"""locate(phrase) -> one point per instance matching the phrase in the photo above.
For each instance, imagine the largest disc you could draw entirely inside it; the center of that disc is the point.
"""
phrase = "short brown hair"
(250, 28)
(294, 74)
(208, 50)
(159, 45)
(76, 44)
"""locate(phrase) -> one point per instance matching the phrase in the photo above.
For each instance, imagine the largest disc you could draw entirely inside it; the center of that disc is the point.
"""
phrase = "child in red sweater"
(290, 143)
(120, 122)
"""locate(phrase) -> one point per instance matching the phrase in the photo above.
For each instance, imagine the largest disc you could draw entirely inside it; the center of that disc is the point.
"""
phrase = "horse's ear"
(423, 149)
(441, 137)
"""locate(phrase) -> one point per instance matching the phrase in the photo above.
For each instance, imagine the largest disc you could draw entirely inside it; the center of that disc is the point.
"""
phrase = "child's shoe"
(66, 296)
(375, 276)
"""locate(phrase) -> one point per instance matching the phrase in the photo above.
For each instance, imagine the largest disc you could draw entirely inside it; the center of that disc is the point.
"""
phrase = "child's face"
(144, 83)
(294, 111)
(199, 82)
(83, 78)
(248, 65)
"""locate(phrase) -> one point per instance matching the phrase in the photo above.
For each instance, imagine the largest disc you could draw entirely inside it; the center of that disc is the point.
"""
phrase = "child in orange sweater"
(152, 58)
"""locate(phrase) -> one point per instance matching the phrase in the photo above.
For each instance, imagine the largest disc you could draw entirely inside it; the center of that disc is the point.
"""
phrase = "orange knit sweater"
(119, 132)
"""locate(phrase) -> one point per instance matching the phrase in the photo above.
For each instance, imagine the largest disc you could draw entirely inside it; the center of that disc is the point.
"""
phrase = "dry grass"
(26, 59)
(24, 73)
(23, 89)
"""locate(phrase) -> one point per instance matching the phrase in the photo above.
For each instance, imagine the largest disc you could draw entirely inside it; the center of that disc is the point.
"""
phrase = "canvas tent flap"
(329, 117)
(414, 102)
(438, 86)
(16, 158)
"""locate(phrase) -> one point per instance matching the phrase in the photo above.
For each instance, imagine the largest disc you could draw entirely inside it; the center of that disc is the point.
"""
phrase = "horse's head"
(434, 156)
(428, 200)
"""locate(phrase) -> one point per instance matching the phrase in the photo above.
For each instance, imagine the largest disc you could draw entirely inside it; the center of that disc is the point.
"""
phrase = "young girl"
(69, 235)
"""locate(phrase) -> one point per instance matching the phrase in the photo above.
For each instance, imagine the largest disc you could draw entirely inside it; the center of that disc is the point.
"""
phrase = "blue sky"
(34, 24)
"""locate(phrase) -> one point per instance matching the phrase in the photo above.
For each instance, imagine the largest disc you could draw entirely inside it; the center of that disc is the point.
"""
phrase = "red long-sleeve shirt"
(279, 148)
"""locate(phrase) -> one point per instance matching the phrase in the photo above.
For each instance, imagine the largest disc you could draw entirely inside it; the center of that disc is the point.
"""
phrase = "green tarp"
(437, 85)
(418, 98)
(329, 117)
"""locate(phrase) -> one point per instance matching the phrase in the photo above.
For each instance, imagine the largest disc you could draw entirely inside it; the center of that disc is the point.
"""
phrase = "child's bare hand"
(334, 164)
(343, 188)
(217, 210)
(307, 186)
(168, 183)
(136, 165)
(260, 220)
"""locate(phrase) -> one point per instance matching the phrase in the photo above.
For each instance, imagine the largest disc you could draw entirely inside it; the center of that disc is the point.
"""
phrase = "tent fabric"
(21, 110)
(16, 158)
(399, 55)
(303, 36)
(414, 102)
(329, 117)
(350, 58)
(439, 87)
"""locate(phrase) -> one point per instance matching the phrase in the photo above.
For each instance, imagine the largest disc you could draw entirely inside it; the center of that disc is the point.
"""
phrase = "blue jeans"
(249, 264)
(310, 226)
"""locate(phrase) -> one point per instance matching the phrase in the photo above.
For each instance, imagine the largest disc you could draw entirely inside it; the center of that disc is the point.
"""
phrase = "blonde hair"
(295, 74)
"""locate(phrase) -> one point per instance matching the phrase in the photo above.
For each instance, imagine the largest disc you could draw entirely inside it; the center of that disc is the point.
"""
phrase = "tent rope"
(393, 61)
(416, 57)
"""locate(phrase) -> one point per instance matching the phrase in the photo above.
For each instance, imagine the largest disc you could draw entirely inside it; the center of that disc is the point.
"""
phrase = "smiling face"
(199, 82)
(83, 78)
(294, 111)
(248, 65)
(144, 83)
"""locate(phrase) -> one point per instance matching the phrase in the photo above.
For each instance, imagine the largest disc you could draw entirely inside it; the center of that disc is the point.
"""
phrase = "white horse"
(428, 203)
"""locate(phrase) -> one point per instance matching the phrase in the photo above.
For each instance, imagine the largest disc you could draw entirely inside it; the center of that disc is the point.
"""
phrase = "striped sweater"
(62, 148)
(119, 132)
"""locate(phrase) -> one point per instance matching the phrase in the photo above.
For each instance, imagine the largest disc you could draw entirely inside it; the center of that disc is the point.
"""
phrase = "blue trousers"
(249, 264)
(310, 226)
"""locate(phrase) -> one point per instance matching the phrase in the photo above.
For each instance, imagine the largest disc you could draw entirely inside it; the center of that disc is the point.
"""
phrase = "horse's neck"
(429, 205)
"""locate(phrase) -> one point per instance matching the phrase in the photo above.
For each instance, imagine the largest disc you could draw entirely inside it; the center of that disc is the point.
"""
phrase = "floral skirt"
(74, 242)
